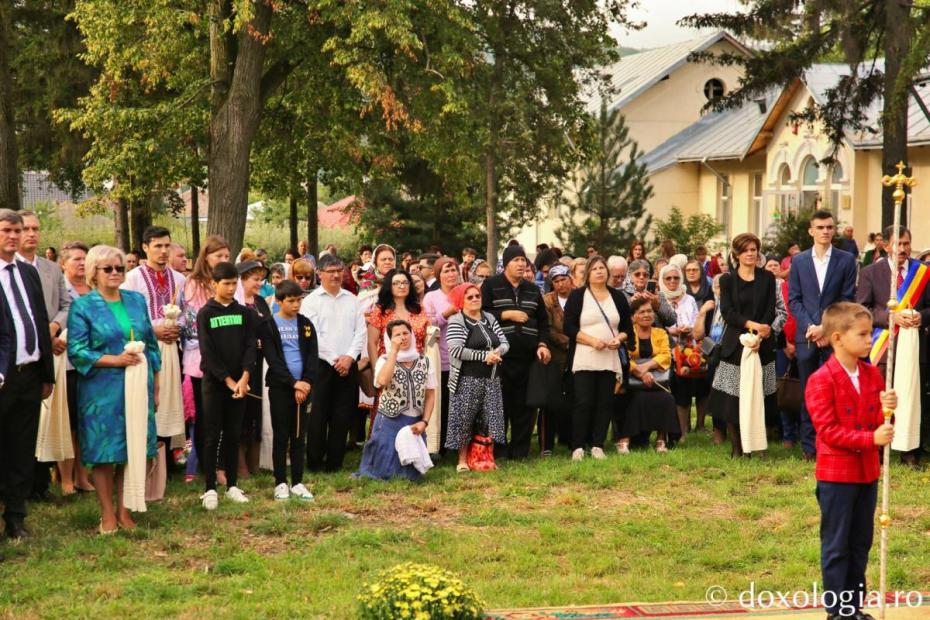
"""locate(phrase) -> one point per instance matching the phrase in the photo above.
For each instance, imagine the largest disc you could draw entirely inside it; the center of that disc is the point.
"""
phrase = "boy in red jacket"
(845, 398)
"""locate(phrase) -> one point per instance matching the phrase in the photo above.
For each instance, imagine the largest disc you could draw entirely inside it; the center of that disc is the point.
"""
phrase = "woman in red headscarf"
(477, 345)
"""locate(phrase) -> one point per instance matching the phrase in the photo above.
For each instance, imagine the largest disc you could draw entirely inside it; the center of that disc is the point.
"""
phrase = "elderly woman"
(556, 418)
(100, 324)
(699, 287)
(637, 286)
(438, 305)
(480, 271)
(650, 406)
(72, 471)
(597, 321)
(749, 301)
(577, 272)
(476, 345)
(684, 389)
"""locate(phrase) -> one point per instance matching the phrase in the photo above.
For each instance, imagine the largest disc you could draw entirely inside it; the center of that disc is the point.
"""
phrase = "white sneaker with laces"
(281, 492)
(301, 492)
(210, 500)
(236, 495)
(578, 454)
(598, 453)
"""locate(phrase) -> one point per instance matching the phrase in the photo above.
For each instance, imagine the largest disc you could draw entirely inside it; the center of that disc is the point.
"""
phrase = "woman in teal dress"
(99, 325)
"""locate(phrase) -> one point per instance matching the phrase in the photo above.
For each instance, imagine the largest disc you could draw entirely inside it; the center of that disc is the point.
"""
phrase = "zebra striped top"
(457, 335)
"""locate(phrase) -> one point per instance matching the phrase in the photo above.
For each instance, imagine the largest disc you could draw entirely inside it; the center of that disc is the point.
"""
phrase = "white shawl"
(53, 442)
(137, 423)
(907, 387)
(751, 397)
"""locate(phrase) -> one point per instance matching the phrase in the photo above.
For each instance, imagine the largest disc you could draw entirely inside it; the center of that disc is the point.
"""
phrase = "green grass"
(639, 528)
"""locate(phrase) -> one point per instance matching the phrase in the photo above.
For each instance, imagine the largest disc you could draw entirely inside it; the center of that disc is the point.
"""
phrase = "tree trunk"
(195, 220)
(122, 224)
(490, 202)
(9, 166)
(898, 32)
(490, 170)
(313, 214)
(292, 222)
(236, 67)
(140, 218)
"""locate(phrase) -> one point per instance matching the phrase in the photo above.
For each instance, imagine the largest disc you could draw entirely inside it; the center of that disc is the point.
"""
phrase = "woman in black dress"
(748, 301)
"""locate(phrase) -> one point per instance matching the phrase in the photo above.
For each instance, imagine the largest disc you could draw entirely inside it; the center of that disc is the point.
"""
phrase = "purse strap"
(603, 314)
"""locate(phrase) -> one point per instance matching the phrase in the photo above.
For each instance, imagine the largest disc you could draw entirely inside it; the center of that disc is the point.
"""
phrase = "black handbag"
(544, 387)
(788, 390)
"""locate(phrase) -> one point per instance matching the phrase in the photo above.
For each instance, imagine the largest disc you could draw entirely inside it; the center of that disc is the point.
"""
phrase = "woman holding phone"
(639, 286)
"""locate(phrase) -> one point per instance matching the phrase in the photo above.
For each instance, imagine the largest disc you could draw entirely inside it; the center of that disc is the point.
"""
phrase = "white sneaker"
(236, 495)
(578, 454)
(598, 454)
(210, 500)
(301, 492)
(281, 491)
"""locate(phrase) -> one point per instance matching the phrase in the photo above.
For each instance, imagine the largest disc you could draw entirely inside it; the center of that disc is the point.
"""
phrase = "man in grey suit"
(57, 301)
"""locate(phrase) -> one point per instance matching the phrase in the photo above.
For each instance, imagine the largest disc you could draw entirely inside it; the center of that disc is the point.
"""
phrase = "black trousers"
(20, 400)
(200, 427)
(444, 409)
(847, 523)
(335, 400)
(289, 422)
(515, 375)
(594, 401)
(222, 414)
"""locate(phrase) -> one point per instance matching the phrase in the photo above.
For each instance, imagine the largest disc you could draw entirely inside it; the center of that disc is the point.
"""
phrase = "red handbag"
(481, 454)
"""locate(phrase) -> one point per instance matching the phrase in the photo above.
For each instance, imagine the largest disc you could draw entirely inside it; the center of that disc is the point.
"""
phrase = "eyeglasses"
(473, 297)
(110, 268)
(640, 274)
(401, 283)
(672, 278)
(307, 278)
(332, 272)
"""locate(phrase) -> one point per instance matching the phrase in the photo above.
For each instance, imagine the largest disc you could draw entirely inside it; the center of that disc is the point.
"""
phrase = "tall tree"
(613, 187)
(802, 33)
(9, 168)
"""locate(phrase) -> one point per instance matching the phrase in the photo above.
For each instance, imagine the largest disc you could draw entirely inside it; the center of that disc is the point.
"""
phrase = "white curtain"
(169, 417)
(751, 397)
(53, 443)
(434, 430)
(137, 423)
(907, 387)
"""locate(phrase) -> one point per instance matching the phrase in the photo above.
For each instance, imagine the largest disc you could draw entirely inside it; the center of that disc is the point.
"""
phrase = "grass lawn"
(639, 528)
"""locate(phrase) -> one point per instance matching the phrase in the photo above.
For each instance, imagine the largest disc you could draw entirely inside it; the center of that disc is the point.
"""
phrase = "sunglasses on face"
(307, 278)
(473, 297)
(672, 278)
(111, 268)
(640, 274)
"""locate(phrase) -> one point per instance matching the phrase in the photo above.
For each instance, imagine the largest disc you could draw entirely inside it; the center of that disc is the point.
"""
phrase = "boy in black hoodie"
(226, 331)
(292, 355)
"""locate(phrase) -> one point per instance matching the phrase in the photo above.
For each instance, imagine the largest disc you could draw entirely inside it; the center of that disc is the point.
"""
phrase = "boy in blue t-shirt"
(292, 359)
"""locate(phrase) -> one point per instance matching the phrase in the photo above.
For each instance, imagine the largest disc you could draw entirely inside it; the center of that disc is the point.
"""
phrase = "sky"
(660, 17)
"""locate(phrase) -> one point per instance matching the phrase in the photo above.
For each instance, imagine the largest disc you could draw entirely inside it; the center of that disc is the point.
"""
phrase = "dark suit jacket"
(805, 299)
(7, 337)
(873, 293)
(763, 311)
(36, 301)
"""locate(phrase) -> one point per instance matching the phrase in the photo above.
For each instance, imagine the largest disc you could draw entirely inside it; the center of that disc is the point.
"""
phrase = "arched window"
(838, 188)
(787, 193)
(837, 172)
(713, 89)
(784, 176)
(810, 190)
(810, 171)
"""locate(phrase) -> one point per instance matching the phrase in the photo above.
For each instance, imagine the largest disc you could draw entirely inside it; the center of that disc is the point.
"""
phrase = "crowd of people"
(206, 363)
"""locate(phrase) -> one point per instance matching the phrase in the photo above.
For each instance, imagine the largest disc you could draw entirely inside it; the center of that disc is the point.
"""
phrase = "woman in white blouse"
(597, 322)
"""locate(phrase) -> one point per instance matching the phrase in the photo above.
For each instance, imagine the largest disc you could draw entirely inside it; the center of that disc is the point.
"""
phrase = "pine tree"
(608, 208)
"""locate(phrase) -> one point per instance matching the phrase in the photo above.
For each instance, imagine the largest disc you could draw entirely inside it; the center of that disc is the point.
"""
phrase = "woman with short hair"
(304, 274)
(99, 326)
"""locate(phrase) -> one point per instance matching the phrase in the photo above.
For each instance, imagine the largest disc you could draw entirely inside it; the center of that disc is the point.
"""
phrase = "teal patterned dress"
(93, 331)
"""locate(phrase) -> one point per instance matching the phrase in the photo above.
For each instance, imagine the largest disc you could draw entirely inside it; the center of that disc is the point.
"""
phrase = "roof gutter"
(719, 176)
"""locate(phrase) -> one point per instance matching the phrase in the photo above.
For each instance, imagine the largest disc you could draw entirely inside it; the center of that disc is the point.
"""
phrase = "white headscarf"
(679, 260)
(407, 355)
(670, 294)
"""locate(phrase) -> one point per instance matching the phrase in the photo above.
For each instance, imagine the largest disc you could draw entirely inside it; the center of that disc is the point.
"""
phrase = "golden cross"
(899, 181)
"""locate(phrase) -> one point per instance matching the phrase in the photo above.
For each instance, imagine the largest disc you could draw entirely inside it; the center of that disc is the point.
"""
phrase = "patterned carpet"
(683, 610)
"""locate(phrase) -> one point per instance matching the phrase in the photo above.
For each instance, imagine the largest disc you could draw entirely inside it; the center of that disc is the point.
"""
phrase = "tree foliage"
(608, 208)
(687, 234)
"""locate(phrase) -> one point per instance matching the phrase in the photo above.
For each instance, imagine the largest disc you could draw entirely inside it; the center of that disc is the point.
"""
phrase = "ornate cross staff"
(899, 181)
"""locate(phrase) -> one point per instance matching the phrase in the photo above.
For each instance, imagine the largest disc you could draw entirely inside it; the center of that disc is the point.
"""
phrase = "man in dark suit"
(873, 293)
(28, 376)
(819, 277)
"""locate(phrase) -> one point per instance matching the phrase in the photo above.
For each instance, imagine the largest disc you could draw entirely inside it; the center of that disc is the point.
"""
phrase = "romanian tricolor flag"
(908, 293)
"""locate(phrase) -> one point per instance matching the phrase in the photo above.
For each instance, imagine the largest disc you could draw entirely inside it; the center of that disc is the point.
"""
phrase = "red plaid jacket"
(845, 422)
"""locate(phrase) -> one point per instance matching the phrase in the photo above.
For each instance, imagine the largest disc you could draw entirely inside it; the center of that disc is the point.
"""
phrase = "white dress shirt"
(339, 321)
(22, 356)
(902, 270)
(853, 376)
(820, 265)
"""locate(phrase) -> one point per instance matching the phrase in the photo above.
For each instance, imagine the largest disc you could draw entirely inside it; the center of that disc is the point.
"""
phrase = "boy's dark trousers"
(284, 423)
(222, 414)
(335, 401)
(847, 517)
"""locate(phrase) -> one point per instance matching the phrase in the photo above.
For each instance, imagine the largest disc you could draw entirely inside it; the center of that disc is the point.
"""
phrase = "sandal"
(462, 468)
(660, 446)
(104, 532)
